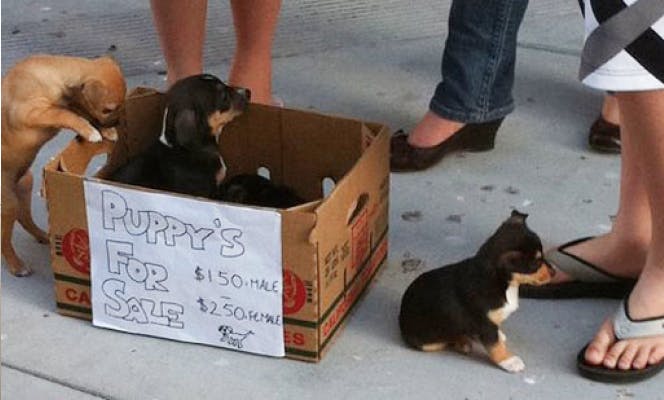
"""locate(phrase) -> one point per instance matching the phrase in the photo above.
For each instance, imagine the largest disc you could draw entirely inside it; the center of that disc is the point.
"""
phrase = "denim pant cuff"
(469, 117)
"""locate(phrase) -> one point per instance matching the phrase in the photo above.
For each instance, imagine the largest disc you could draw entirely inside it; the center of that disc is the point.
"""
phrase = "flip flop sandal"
(588, 279)
(625, 328)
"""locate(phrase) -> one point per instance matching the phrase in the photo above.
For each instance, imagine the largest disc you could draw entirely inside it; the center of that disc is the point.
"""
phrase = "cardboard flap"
(76, 157)
(140, 124)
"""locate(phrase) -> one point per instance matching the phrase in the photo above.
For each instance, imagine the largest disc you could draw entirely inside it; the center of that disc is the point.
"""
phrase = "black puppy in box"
(469, 300)
(257, 191)
(185, 159)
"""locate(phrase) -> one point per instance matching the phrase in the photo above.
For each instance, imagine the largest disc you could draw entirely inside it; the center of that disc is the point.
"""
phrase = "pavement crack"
(549, 49)
(57, 381)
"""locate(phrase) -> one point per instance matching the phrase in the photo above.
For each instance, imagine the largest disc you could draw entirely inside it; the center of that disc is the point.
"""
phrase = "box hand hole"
(328, 186)
(264, 172)
(356, 207)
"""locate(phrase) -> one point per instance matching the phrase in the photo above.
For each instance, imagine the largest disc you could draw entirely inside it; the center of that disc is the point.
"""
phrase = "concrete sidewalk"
(375, 60)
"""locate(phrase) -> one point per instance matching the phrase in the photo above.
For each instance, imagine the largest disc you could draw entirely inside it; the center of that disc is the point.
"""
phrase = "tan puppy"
(41, 95)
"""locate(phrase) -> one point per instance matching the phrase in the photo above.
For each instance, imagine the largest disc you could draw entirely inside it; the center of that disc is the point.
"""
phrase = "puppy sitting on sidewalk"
(452, 305)
(41, 95)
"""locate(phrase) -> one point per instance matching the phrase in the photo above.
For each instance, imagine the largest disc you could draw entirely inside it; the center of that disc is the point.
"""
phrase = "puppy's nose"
(240, 98)
(552, 271)
(110, 122)
(246, 93)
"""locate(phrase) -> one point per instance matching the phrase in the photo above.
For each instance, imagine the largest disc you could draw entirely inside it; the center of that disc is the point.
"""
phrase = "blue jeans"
(478, 61)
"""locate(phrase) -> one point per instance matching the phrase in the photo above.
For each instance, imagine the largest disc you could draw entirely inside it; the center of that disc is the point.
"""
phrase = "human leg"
(255, 24)
(181, 29)
(610, 111)
(622, 251)
(477, 69)
(475, 92)
(642, 122)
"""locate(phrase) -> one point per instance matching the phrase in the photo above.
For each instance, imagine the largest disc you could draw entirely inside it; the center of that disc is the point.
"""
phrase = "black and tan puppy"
(185, 159)
(41, 95)
(257, 191)
(469, 300)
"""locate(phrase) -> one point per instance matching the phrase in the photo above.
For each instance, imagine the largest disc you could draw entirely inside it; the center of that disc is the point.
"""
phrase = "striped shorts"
(624, 46)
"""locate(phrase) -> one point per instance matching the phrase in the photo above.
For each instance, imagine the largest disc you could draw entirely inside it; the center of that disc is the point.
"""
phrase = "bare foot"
(644, 302)
(433, 130)
(619, 257)
(253, 73)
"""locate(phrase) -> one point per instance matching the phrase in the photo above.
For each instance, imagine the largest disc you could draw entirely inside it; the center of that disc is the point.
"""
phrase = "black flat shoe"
(604, 136)
(472, 137)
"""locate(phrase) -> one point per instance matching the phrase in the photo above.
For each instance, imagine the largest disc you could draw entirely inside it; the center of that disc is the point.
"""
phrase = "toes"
(633, 354)
(641, 359)
(613, 355)
(560, 277)
(626, 359)
(656, 355)
(597, 349)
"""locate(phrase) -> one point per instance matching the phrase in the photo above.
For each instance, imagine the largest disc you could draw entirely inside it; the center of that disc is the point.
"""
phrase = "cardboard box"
(332, 247)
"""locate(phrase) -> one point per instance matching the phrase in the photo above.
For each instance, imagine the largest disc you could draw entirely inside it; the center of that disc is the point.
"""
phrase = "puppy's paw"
(110, 134)
(512, 364)
(94, 136)
(18, 269)
(463, 346)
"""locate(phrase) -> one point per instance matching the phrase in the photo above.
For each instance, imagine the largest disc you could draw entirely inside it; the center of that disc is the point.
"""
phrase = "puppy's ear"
(93, 90)
(511, 260)
(517, 217)
(184, 126)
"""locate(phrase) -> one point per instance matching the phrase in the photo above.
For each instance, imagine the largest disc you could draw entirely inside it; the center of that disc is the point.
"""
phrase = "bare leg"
(24, 194)
(255, 23)
(610, 111)
(181, 29)
(642, 122)
(623, 250)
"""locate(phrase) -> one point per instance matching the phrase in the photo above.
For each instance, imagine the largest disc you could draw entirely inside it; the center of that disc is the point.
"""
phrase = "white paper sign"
(185, 269)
